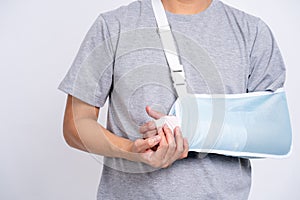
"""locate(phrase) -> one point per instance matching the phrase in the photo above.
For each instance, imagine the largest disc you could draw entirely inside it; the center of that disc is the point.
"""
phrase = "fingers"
(155, 158)
(177, 151)
(141, 145)
(148, 129)
(154, 114)
(179, 142)
(163, 145)
(171, 147)
(186, 148)
(150, 134)
(149, 126)
(171, 144)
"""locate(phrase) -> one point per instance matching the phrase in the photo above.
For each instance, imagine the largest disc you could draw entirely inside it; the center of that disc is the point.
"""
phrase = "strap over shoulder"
(170, 49)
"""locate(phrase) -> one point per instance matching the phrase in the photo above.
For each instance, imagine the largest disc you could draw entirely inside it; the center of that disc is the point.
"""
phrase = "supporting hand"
(170, 148)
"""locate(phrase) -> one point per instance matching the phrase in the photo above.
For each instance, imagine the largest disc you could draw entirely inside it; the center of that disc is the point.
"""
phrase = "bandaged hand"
(173, 144)
(150, 128)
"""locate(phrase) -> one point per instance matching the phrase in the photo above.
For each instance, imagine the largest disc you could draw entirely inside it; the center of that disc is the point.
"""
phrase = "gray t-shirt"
(222, 49)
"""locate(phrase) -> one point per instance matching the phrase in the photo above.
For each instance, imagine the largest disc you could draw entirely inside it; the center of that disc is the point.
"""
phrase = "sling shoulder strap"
(170, 49)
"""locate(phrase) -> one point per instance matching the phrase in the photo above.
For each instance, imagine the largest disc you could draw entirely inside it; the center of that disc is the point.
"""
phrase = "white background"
(38, 42)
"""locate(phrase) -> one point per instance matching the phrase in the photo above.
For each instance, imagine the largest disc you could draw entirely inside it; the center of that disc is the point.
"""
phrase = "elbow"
(70, 135)
(70, 132)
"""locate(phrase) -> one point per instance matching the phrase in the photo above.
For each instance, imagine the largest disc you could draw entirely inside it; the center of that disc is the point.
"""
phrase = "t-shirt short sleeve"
(267, 68)
(90, 75)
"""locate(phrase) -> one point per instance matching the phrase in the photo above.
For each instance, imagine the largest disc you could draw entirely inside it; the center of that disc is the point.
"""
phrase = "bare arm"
(83, 132)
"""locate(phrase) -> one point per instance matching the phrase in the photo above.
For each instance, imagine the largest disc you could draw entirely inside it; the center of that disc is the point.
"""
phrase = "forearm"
(83, 132)
(88, 135)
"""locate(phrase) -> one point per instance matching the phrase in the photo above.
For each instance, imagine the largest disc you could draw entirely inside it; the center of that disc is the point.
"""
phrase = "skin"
(186, 7)
(159, 148)
(82, 131)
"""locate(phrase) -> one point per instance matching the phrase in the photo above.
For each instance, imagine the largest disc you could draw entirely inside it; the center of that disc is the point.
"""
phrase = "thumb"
(142, 145)
(154, 114)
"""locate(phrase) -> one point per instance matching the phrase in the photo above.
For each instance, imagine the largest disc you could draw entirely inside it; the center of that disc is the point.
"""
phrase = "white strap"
(170, 50)
(160, 14)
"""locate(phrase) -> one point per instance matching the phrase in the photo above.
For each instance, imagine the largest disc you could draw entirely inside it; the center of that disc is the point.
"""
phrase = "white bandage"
(170, 121)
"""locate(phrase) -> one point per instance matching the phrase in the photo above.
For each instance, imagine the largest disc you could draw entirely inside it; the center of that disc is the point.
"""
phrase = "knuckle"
(177, 130)
(179, 135)
(165, 166)
(185, 155)
(156, 165)
(168, 130)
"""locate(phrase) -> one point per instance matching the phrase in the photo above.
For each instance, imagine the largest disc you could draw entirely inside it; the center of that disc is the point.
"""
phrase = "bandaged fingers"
(150, 128)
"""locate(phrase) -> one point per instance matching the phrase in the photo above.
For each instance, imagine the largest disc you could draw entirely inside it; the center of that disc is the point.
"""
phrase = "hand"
(145, 145)
(178, 146)
(149, 129)
(170, 148)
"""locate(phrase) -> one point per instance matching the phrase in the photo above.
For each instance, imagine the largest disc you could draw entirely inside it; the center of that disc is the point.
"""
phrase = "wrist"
(125, 150)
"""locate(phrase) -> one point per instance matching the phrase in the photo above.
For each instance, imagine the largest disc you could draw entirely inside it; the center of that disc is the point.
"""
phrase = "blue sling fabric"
(247, 125)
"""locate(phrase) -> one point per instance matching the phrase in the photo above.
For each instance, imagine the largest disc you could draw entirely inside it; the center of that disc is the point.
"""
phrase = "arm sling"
(251, 125)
